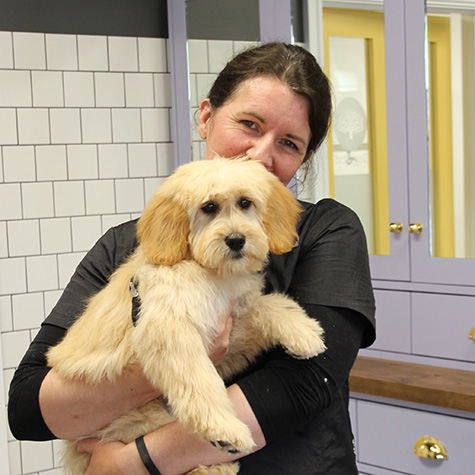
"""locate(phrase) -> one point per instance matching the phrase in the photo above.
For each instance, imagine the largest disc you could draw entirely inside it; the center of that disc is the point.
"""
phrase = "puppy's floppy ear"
(280, 219)
(163, 230)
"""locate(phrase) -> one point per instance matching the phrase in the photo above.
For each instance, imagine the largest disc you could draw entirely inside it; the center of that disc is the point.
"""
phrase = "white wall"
(84, 142)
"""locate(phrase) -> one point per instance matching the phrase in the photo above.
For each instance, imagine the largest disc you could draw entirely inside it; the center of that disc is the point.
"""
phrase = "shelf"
(443, 387)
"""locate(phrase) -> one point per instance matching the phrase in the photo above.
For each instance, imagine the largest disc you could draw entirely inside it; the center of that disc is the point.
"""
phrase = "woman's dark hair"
(292, 65)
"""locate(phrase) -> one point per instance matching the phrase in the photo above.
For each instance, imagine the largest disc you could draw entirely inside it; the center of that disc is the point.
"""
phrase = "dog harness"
(135, 302)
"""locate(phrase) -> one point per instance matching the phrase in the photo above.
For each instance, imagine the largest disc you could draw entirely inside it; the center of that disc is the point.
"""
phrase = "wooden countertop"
(450, 388)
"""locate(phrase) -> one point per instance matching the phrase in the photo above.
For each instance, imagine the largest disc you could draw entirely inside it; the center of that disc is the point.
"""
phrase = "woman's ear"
(204, 116)
(163, 230)
(280, 219)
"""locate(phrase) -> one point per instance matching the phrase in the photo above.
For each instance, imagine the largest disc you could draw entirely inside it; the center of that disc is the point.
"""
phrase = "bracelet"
(145, 456)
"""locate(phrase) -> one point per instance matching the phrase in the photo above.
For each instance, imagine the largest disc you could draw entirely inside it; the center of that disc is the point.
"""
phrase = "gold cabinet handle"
(428, 447)
(395, 228)
(415, 228)
(471, 335)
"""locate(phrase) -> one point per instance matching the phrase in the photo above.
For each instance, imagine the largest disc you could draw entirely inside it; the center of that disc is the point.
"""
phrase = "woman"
(272, 103)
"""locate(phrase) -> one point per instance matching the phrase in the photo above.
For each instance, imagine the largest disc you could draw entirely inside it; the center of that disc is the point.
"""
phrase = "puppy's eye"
(210, 208)
(244, 203)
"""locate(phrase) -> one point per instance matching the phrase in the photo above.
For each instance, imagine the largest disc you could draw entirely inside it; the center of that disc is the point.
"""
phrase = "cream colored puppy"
(203, 240)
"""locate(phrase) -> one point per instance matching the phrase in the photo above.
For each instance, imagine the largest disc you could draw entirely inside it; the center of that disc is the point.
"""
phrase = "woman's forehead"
(267, 97)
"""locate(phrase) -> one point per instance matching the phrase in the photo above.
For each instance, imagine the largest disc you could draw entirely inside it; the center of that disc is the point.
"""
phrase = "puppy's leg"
(174, 359)
(136, 422)
(281, 321)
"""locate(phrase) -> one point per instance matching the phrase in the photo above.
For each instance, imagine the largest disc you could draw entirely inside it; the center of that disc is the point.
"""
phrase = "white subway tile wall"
(85, 140)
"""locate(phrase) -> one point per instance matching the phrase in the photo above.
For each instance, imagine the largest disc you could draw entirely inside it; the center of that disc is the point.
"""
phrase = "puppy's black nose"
(235, 242)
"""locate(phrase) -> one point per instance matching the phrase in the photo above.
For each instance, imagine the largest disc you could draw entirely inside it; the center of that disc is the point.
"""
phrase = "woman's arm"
(43, 406)
(75, 408)
(286, 393)
(173, 449)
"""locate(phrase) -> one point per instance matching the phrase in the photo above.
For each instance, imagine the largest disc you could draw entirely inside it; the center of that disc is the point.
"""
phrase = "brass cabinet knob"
(415, 228)
(395, 228)
(471, 335)
(428, 447)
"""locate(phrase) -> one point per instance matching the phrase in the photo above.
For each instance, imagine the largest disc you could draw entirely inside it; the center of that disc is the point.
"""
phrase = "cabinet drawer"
(441, 325)
(387, 435)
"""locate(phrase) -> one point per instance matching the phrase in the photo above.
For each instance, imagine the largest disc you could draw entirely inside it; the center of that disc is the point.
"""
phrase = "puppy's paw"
(305, 341)
(233, 437)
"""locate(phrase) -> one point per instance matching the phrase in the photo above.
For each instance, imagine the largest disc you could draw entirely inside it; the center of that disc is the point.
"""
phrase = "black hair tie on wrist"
(145, 456)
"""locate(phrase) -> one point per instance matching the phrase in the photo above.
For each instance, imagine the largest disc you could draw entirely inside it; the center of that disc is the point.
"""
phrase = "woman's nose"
(262, 150)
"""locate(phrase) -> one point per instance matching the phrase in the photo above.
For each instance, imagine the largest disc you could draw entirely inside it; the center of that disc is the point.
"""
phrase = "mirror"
(450, 65)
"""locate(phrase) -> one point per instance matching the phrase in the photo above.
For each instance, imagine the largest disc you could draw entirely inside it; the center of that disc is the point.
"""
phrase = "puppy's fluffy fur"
(203, 240)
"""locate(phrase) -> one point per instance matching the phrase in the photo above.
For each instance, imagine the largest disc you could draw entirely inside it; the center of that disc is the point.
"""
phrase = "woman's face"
(263, 119)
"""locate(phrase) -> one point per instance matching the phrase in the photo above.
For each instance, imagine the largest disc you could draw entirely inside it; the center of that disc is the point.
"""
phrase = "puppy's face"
(227, 214)
(227, 230)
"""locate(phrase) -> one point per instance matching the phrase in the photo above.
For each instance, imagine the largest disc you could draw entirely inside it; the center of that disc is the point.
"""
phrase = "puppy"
(203, 240)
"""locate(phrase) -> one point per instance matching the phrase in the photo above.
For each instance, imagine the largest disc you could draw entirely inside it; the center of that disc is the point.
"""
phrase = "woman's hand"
(114, 458)
(220, 343)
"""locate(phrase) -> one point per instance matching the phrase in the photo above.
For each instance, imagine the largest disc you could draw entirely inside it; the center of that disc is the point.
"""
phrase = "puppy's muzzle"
(235, 242)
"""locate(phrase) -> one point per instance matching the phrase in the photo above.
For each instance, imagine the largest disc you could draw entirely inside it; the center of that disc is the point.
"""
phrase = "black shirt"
(301, 406)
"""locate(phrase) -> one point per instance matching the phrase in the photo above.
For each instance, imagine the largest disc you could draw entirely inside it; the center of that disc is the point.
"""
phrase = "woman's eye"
(290, 144)
(210, 208)
(244, 203)
(249, 124)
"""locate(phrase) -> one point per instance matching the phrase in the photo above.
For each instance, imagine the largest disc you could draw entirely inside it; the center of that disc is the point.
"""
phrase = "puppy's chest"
(189, 291)
(242, 292)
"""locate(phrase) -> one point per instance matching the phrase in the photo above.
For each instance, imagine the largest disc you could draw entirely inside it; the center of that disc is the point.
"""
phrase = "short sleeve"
(330, 266)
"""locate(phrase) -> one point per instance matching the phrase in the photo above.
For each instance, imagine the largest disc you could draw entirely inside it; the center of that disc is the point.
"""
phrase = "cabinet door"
(367, 169)
(396, 265)
(440, 124)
